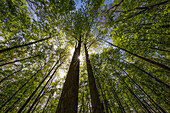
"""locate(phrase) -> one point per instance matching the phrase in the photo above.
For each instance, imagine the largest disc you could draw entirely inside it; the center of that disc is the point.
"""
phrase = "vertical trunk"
(118, 101)
(69, 97)
(37, 102)
(153, 77)
(158, 93)
(159, 49)
(35, 106)
(82, 110)
(96, 105)
(145, 59)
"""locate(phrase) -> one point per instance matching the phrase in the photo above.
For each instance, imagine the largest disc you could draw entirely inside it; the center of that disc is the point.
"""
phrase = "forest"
(84, 56)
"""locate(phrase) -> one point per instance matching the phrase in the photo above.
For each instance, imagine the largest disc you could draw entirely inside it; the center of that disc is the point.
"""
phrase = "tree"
(69, 97)
(96, 105)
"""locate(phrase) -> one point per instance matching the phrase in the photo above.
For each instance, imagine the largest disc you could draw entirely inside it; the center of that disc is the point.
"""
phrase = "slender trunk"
(157, 92)
(69, 97)
(95, 101)
(10, 75)
(30, 97)
(82, 102)
(143, 9)
(145, 59)
(155, 41)
(7, 49)
(149, 106)
(43, 89)
(110, 103)
(38, 100)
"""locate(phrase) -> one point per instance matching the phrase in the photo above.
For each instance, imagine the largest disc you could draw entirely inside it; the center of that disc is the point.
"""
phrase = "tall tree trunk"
(145, 59)
(153, 77)
(69, 97)
(35, 106)
(7, 49)
(159, 49)
(96, 105)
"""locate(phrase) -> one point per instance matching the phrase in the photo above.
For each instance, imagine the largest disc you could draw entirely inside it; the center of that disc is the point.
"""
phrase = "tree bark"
(69, 97)
(153, 77)
(95, 101)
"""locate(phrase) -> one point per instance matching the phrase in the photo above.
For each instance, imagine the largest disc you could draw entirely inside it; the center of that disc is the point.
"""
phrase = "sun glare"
(80, 57)
(72, 52)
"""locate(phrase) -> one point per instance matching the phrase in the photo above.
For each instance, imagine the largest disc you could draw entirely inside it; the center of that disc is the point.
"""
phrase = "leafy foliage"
(35, 35)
